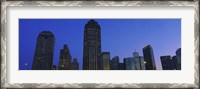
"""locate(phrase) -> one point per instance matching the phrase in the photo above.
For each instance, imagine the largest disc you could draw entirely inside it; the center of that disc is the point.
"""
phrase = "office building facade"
(139, 61)
(74, 65)
(142, 63)
(65, 58)
(175, 63)
(92, 46)
(43, 56)
(149, 58)
(105, 61)
(114, 63)
(167, 62)
(129, 63)
(121, 66)
(178, 55)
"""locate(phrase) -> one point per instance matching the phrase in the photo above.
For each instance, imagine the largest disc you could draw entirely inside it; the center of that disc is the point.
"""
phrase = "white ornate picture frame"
(4, 39)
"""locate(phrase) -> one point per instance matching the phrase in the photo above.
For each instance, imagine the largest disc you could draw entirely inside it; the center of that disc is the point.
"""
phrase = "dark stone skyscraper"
(43, 56)
(65, 58)
(92, 46)
(149, 58)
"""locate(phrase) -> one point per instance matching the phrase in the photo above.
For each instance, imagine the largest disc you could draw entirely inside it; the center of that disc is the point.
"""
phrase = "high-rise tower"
(139, 61)
(74, 65)
(65, 58)
(105, 60)
(92, 46)
(149, 58)
(167, 62)
(114, 63)
(43, 56)
(129, 63)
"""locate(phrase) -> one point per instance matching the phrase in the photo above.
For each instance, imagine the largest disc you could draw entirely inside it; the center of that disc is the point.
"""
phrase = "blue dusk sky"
(120, 37)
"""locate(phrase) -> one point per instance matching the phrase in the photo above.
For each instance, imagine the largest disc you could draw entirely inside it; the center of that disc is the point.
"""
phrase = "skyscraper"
(178, 55)
(142, 63)
(74, 65)
(175, 62)
(105, 60)
(65, 58)
(114, 63)
(139, 61)
(167, 63)
(121, 66)
(129, 63)
(149, 58)
(136, 60)
(92, 46)
(43, 56)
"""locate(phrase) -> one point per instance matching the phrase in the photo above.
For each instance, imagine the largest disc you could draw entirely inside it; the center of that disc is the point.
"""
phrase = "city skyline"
(118, 23)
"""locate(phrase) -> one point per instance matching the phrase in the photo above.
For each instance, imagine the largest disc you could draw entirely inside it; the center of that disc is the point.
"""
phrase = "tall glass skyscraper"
(43, 56)
(92, 46)
(149, 58)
